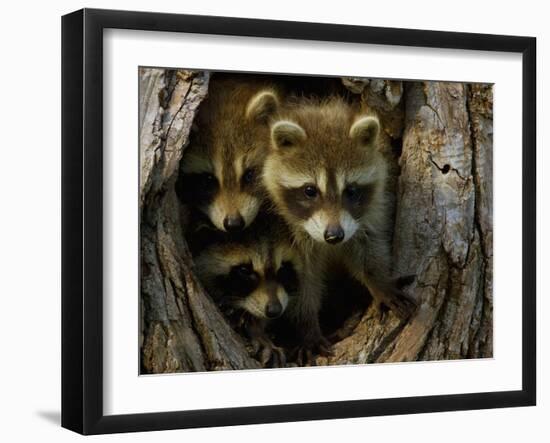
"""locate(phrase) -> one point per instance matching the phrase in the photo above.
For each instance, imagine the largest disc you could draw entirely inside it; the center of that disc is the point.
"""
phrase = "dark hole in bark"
(445, 169)
(346, 299)
(344, 303)
(397, 146)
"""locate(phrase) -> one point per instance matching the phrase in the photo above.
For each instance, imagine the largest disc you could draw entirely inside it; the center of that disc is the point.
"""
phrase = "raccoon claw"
(382, 312)
(267, 353)
(273, 358)
(403, 305)
(325, 348)
(305, 355)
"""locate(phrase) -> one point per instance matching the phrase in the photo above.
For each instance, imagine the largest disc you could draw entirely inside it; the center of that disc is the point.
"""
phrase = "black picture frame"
(82, 218)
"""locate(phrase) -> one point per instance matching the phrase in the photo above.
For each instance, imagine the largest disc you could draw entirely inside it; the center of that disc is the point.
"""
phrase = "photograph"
(291, 221)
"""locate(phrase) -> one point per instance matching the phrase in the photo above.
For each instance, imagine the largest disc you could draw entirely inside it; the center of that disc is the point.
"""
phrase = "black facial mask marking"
(287, 277)
(197, 189)
(241, 280)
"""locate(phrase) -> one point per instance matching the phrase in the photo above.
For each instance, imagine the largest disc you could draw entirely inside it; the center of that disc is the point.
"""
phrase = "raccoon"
(327, 180)
(253, 276)
(220, 170)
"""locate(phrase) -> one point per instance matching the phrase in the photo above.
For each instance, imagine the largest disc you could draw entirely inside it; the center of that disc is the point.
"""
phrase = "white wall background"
(30, 95)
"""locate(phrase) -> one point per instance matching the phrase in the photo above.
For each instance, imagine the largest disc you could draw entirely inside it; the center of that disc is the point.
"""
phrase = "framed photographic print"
(270, 221)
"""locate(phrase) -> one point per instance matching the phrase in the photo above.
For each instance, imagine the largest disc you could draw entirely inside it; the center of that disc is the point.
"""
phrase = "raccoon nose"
(334, 234)
(273, 309)
(233, 223)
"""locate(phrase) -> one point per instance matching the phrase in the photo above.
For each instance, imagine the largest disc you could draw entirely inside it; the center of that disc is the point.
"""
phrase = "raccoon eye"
(352, 193)
(248, 176)
(311, 191)
(244, 270)
(209, 180)
(241, 280)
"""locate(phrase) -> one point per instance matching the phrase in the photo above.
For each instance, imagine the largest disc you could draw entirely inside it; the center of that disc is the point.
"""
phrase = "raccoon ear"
(286, 134)
(262, 106)
(365, 130)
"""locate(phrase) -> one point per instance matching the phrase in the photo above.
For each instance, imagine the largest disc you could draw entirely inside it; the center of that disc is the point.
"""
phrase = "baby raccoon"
(327, 180)
(220, 170)
(252, 276)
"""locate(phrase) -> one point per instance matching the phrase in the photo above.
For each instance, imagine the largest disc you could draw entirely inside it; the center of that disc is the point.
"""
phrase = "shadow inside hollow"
(53, 417)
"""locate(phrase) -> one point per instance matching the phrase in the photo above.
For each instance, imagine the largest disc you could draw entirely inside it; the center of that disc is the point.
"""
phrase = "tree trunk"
(438, 139)
(181, 328)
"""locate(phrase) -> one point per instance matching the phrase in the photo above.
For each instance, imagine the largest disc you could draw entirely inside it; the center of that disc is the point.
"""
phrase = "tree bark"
(438, 140)
(181, 328)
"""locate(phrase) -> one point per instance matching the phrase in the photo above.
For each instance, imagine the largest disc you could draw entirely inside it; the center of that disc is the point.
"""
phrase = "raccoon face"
(255, 278)
(324, 172)
(221, 170)
(224, 186)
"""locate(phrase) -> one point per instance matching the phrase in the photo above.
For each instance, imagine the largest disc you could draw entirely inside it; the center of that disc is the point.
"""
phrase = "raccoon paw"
(381, 312)
(405, 280)
(306, 354)
(267, 353)
(401, 303)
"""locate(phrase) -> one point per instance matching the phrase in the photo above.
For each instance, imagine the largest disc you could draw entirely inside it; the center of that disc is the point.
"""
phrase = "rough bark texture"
(438, 137)
(182, 329)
